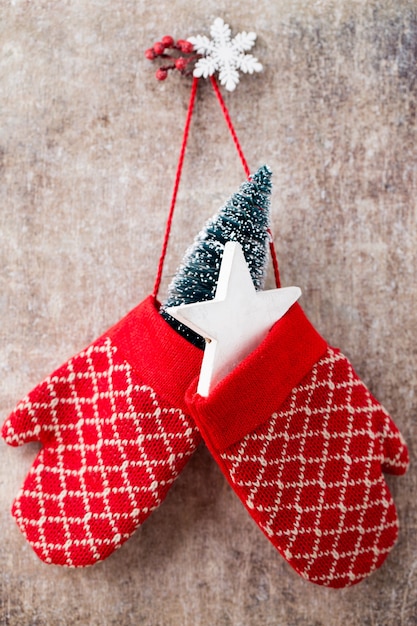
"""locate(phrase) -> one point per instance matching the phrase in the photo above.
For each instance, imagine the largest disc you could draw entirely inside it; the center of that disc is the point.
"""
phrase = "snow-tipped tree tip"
(262, 172)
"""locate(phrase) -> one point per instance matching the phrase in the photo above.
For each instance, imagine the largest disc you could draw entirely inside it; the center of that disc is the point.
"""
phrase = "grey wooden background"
(89, 142)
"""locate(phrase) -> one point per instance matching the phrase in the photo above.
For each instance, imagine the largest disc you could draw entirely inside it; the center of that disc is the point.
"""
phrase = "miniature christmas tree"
(245, 219)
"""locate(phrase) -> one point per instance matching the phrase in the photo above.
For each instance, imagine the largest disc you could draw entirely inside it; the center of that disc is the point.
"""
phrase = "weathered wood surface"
(89, 142)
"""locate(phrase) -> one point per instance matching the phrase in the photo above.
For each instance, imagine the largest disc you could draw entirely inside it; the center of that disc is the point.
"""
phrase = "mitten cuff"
(160, 355)
(257, 387)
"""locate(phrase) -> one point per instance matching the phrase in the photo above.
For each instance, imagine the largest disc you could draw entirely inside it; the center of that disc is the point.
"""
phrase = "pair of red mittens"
(297, 434)
(303, 443)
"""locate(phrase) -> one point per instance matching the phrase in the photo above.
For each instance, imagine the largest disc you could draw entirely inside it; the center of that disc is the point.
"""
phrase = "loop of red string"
(178, 178)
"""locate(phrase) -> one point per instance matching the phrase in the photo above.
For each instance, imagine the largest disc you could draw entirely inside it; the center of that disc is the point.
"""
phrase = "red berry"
(150, 54)
(159, 48)
(161, 74)
(181, 64)
(167, 41)
(185, 46)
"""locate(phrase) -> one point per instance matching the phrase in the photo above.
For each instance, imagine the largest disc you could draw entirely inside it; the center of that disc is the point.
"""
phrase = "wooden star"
(236, 321)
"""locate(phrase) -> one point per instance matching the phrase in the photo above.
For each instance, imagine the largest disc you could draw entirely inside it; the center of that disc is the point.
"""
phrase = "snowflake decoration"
(224, 54)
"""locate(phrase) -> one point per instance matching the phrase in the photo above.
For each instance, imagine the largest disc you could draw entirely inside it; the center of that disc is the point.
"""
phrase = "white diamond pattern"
(112, 448)
(311, 475)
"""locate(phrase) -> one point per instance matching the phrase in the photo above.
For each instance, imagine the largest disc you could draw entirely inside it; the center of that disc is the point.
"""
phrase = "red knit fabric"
(115, 435)
(310, 472)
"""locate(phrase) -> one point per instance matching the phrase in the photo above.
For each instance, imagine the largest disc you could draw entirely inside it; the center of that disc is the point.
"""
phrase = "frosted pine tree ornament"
(244, 219)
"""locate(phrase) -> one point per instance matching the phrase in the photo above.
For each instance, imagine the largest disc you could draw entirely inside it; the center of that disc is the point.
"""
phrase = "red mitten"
(115, 435)
(303, 443)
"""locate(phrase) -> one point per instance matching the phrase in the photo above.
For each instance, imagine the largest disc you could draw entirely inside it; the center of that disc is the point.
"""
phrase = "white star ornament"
(236, 321)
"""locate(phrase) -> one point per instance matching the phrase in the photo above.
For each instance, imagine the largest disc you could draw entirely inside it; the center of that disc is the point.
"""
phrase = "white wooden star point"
(236, 321)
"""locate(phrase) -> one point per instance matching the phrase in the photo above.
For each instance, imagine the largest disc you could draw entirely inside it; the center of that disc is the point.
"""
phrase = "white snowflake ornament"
(225, 55)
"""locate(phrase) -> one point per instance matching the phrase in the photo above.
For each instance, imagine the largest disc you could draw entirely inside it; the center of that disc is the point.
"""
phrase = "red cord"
(178, 179)
(175, 190)
(230, 125)
(247, 171)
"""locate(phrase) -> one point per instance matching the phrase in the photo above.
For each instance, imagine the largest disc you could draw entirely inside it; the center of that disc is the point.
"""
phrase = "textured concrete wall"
(88, 147)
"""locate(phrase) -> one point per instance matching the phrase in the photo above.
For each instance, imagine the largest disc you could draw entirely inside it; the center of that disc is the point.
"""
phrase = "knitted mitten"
(303, 442)
(115, 435)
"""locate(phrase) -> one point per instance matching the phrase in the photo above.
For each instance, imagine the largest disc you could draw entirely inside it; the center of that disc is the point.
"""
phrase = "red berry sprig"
(180, 53)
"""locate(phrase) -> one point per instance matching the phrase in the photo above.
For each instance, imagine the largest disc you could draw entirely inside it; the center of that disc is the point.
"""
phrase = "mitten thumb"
(32, 419)
(35, 418)
(395, 451)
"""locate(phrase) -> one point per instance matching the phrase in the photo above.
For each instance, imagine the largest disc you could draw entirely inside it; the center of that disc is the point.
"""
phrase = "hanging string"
(246, 169)
(176, 186)
(178, 179)
(230, 125)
